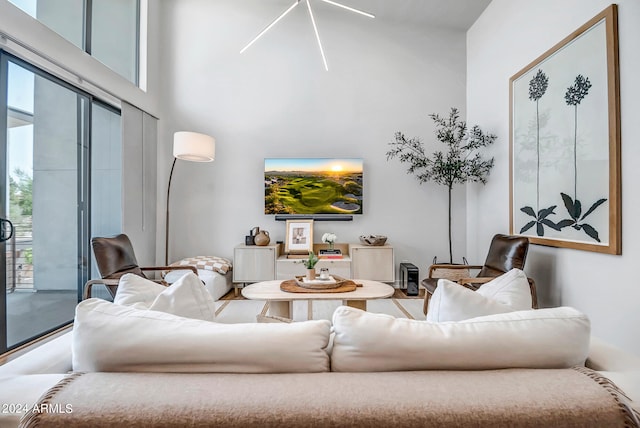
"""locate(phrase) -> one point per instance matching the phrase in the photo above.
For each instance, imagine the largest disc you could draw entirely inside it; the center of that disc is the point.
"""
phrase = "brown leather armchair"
(115, 257)
(506, 252)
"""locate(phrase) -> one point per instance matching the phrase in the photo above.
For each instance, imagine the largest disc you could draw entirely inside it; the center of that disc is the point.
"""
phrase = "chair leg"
(427, 299)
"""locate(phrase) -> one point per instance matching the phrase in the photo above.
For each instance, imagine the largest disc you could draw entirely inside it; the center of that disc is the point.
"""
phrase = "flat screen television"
(312, 186)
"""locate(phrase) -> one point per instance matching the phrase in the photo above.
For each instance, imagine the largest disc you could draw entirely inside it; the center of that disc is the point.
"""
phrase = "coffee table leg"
(358, 304)
(280, 308)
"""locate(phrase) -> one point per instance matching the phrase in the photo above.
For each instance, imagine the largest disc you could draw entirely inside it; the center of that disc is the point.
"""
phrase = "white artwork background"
(586, 55)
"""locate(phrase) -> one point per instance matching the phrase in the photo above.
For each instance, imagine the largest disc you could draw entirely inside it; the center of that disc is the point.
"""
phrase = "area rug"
(243, 311)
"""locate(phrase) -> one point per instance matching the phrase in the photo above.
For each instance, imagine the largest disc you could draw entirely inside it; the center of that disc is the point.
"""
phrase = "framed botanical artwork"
(299, 236)
(565, 142)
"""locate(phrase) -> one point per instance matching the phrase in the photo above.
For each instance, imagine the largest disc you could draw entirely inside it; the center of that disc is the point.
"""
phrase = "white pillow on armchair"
(511, 288)
(453, 302)
(186, 297)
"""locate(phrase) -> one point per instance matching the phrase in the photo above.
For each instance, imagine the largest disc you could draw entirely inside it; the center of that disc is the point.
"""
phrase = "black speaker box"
(409, 281)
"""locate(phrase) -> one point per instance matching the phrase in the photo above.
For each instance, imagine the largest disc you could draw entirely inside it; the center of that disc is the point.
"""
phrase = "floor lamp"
(193, 147)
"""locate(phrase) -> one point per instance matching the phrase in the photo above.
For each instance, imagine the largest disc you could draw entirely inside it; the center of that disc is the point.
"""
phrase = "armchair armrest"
(479, 280)
(474, 283)
(86, 292)
(443, 266)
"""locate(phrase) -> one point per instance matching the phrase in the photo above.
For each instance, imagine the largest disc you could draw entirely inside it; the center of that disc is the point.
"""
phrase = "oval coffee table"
(281, 302)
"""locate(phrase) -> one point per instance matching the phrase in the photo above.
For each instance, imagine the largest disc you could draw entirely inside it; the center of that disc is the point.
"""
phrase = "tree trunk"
(450, 251)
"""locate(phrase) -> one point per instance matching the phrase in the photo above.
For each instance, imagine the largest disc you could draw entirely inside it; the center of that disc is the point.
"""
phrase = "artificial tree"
(461, 163)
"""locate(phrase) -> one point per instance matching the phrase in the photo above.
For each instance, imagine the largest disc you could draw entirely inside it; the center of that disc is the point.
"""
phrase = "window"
(57, 140)
(109, 30)
(114, 35)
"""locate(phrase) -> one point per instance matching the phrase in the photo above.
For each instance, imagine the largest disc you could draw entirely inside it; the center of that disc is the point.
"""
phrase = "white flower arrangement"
(329, 238)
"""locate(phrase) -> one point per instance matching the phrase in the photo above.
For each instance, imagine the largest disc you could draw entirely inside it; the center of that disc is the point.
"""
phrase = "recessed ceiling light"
(313, 22)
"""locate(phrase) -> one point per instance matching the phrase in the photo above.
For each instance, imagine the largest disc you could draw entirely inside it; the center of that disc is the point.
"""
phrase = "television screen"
(313, 186)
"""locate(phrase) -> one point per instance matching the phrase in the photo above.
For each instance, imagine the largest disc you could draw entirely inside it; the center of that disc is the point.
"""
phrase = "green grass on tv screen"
(317, 192)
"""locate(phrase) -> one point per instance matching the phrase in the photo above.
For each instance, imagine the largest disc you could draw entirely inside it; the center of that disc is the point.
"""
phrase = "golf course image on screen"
(312, 186)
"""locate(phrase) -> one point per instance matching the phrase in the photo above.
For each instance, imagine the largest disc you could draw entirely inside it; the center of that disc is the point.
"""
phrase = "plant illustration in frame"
(537, 88)
(574, 95)
(565, 142)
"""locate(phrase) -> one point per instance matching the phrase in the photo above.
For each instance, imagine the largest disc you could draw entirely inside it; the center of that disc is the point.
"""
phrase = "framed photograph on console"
(299, 236)
(565, 142)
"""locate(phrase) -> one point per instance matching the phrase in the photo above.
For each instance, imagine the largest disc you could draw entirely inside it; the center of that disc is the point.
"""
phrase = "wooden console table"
(253, 263)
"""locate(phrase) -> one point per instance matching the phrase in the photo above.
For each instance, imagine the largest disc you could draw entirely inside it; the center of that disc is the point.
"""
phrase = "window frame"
(84, 172)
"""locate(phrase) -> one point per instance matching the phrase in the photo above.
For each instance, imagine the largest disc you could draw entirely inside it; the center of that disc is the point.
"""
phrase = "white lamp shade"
(194, 147)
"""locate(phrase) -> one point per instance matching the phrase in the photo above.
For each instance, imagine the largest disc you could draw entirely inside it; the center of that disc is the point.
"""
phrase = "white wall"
(276, 100)
(508, 36)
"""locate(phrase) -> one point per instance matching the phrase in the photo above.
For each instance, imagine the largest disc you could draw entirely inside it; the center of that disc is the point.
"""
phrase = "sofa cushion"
(53, 356)
(186, 297)
(453, 302)
(545, 338)
(110, 337)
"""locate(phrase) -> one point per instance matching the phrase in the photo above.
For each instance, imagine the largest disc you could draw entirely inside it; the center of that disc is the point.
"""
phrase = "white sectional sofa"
(24, 379)
(358, 395)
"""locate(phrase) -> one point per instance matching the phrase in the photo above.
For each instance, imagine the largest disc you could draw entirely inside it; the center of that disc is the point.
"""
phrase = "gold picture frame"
(564, 166)
(299, 237)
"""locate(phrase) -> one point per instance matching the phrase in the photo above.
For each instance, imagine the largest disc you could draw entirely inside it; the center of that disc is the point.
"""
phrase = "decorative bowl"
(373, 239)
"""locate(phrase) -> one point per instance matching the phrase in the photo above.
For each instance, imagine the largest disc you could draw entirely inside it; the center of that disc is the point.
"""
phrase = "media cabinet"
(253, 263)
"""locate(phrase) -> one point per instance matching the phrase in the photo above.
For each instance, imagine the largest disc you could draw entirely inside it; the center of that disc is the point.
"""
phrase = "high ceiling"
(455, 14)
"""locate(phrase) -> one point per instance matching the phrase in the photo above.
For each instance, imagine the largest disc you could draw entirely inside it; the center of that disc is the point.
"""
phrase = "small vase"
(331, 245)
(311, 274)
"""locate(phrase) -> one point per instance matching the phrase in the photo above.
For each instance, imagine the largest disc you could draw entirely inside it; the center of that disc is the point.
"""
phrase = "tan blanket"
(497, 398)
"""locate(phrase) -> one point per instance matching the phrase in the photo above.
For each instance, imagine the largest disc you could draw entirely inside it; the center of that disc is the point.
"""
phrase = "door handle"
(6, 229)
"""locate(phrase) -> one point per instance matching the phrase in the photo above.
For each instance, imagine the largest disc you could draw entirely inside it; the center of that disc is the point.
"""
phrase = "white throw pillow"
(110, 337)
(545, 338)
(186, 297)
(453, 302)
(511, 288)
(133, 290)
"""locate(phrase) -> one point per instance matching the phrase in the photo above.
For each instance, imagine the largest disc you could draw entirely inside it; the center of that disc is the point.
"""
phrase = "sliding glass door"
(44, 197)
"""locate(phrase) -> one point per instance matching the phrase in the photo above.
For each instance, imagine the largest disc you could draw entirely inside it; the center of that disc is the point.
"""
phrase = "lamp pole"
(166, 236)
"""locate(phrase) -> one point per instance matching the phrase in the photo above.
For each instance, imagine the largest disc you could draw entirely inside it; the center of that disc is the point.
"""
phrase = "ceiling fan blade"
(361, 12)
(315, 29)
(275, 21)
